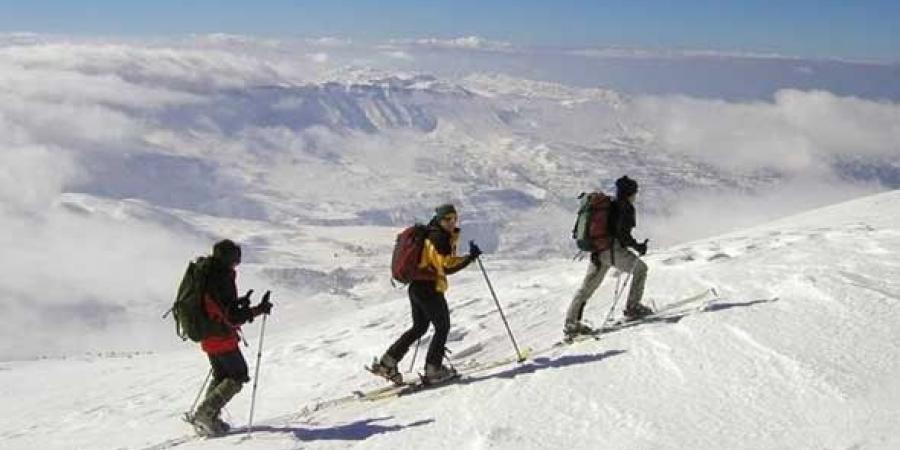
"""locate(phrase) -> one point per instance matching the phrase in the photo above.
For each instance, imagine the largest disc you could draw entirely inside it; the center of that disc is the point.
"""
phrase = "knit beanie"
(443, 211)
(626, 187)
(227, 251)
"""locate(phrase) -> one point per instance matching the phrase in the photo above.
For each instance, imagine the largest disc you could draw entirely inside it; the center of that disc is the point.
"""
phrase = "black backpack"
(191, 320)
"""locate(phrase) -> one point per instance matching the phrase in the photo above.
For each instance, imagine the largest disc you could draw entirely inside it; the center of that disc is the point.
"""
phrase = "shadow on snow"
(354, 431)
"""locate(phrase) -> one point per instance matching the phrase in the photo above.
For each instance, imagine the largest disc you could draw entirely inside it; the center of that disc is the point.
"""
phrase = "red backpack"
(591, 231)
(407, 252)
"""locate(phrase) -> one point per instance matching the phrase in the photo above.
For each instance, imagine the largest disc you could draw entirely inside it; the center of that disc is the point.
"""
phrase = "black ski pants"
(428, 306)
(229, 365)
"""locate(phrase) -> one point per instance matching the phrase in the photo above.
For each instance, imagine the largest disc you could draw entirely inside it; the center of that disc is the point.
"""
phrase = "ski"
(665, 313)
(476, 367)
(408, 388)
(175, 442)
(569, 340)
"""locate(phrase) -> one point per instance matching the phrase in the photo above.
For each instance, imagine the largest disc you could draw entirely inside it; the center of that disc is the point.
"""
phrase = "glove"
(244, 302)
(264, 306)
(474, 251)
(642, 248)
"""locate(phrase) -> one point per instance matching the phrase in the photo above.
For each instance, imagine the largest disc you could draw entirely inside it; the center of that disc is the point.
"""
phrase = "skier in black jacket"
(621, 221)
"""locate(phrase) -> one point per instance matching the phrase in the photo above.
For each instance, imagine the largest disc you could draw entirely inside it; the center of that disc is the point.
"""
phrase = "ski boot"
(637, 312)
(387, 369)
(573, 330)
(206, 419)
(438, 374)
(220, 424)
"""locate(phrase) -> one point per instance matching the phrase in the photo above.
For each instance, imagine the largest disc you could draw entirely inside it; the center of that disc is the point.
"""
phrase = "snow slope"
(799, 351)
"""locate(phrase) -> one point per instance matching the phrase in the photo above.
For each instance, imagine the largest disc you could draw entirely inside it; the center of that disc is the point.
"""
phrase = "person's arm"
(235, 310)
(621, 223)
(446, 264)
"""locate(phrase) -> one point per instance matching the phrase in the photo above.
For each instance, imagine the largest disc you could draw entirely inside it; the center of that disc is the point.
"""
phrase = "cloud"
(330, 41)
(107, 150)
(31, 177)
(465, 42)
(797, 131)
(699, 213)
(398, 54)
(319, 57)
(74, 274)
(232, 41)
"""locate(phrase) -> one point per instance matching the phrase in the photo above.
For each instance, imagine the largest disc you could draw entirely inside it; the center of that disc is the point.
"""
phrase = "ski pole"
(502, 316)
(262, 334)
(190, 413)
(619, 291)
(412, 364)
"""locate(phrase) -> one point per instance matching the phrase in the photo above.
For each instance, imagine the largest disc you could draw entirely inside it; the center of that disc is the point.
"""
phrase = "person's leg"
(589, 285)
(629, 262)
(398, 349)
(435, 307)
(439, 315)
(218, 374)
(233, 367)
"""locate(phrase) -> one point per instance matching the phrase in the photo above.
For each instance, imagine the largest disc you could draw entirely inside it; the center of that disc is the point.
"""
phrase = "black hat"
(227, 251)
(626, 187)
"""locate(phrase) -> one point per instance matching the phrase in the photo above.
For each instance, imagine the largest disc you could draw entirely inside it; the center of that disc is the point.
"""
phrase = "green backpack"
(191, 320)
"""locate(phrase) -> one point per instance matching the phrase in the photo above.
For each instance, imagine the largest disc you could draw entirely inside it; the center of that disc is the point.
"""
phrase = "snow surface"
(800, 350)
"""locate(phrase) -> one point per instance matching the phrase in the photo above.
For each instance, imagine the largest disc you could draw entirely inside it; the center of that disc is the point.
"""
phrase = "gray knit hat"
(444, 210)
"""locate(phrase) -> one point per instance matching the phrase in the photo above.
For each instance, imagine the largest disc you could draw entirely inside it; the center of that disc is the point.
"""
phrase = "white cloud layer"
(798, 131)
(231, 126)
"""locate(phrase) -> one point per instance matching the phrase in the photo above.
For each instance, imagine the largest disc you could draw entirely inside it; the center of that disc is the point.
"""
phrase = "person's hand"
(244, 302)
(264, 306)
(474, 251)
(642, 248)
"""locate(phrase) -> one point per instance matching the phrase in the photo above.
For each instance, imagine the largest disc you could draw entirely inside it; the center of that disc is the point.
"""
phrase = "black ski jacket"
(621, 221)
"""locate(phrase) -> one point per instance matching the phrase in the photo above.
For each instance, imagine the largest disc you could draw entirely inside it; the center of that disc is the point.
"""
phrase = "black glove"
(244, 302)
(642, 248)
(474, 251)
(264, 306)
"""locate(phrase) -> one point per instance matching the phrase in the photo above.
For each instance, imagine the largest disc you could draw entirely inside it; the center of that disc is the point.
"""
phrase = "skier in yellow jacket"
(426, 298)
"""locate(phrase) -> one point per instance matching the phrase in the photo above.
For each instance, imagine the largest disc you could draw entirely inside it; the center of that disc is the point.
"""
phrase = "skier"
(426, 297)
(227, 312)
(621, 221)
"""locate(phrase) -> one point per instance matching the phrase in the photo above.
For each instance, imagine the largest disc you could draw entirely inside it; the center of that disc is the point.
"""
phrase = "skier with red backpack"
(423, 257)
(604, 228)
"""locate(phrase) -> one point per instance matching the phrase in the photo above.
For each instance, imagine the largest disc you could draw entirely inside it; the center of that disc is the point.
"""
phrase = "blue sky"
(814, 28)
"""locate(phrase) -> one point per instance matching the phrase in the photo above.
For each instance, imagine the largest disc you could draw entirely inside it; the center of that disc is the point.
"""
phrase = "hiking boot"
(575, 329)
(207, 425)
(387, 368)
(438, 374)
(637, 311)
(206, 420)
(223, 425)
(220, 424)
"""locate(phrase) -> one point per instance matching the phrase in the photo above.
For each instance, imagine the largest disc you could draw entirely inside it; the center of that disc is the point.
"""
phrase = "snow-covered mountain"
(120, 161)
(150, 151)
(798, 350)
